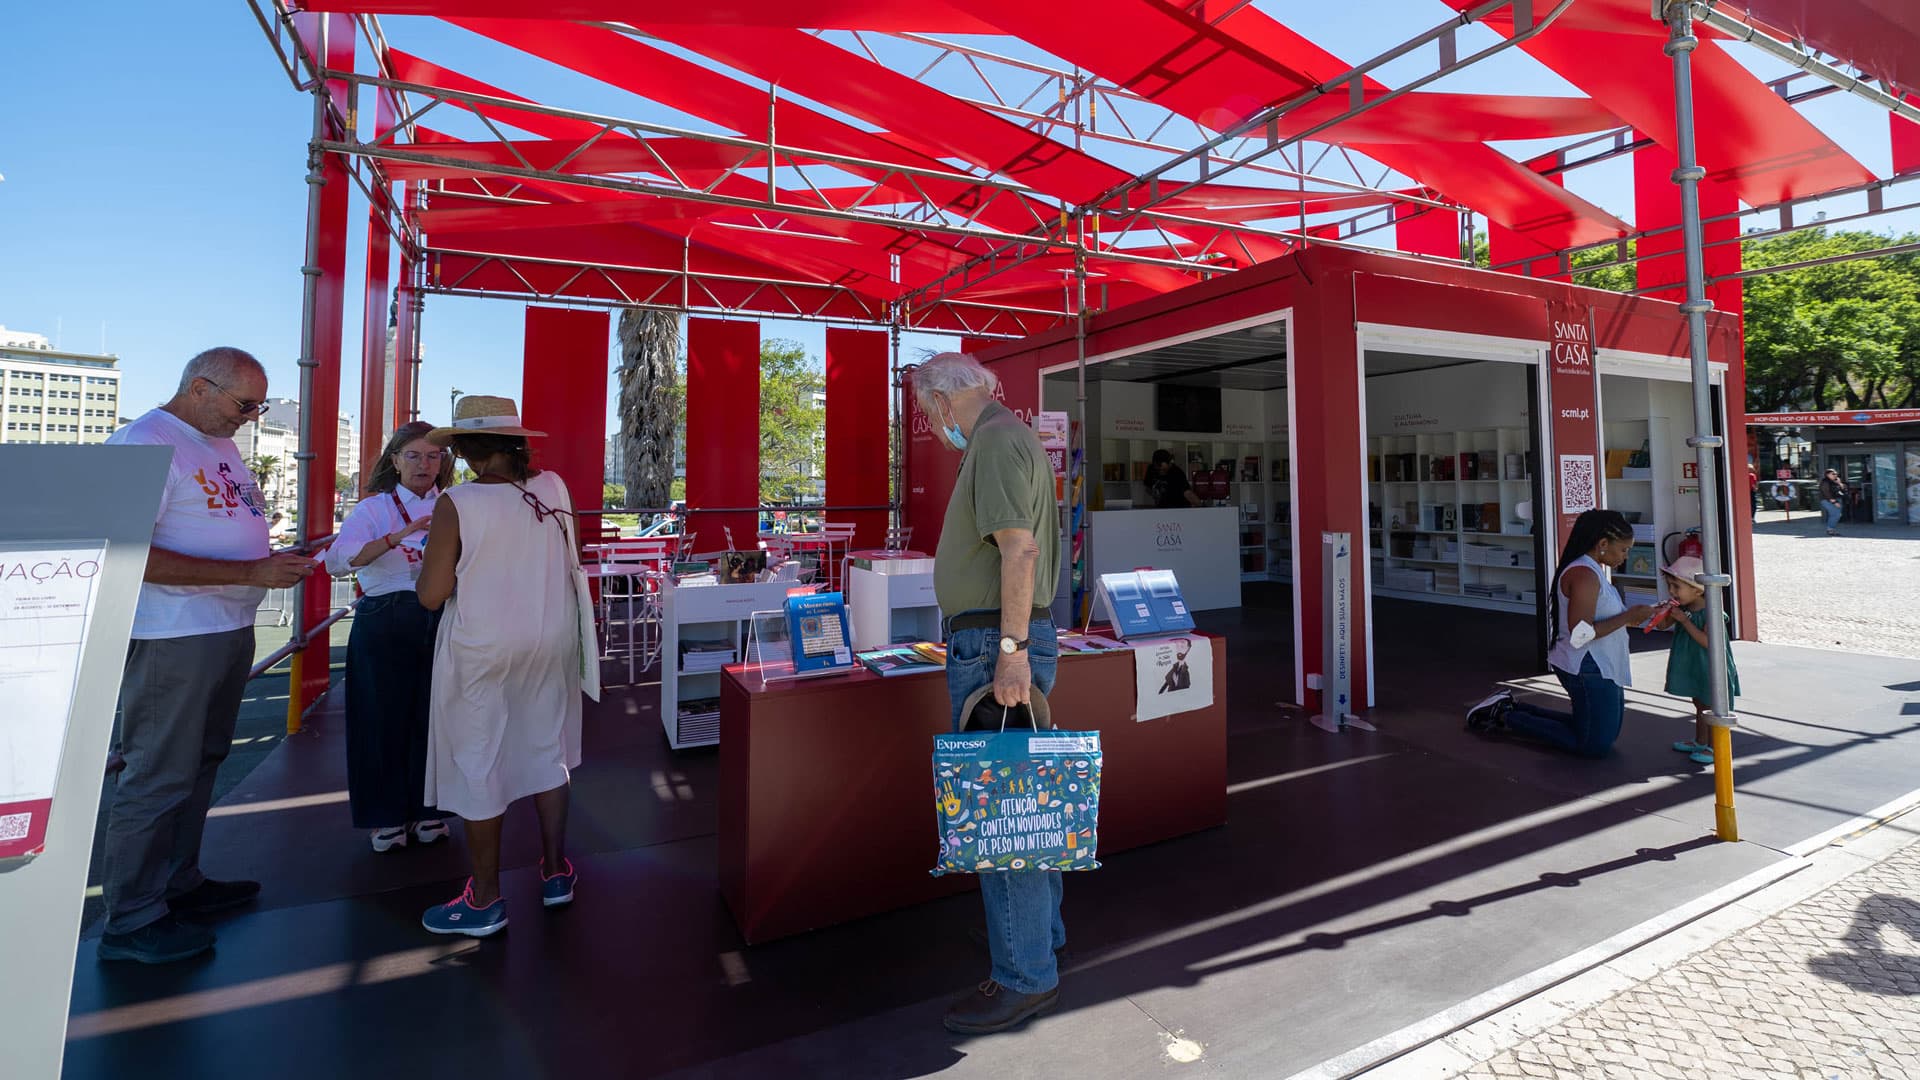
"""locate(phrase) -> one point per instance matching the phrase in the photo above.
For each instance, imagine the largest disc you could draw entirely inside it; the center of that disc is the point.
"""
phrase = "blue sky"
(153, 192)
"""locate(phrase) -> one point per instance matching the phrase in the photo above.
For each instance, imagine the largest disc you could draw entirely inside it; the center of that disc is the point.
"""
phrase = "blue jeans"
(1599, 704)
(1832, 510)
(1023, 906)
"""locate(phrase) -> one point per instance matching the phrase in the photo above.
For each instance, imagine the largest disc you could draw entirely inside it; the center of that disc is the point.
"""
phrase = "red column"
(857, 430)
(563, 392)
(373, 347)
(322, 405)
(1423, 230)
(723, 429)
(1906, 141)
(1329, 470)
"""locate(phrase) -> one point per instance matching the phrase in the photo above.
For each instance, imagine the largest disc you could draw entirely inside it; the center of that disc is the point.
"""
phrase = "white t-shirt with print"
(211, 510)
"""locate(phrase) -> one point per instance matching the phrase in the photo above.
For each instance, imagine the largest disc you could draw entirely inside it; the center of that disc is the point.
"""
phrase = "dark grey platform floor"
(1362, 883)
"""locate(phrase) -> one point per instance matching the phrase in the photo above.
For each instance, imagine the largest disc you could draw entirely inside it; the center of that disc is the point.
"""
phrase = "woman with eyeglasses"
(390, 651)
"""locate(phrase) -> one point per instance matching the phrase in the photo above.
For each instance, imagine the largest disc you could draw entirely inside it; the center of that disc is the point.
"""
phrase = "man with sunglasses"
(207, 571)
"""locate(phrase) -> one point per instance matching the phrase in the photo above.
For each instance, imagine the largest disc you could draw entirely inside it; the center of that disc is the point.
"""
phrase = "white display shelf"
(704, 613)
(887, 608)
(1398, 497)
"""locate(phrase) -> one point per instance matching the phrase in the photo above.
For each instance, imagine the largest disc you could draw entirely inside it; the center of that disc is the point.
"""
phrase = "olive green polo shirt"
(1005, 482)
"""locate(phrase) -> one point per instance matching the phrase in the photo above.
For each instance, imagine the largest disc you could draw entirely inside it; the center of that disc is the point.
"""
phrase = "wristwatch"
(1008, 646)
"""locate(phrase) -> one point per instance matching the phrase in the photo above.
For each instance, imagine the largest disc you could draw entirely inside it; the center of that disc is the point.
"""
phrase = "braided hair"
(1589, 529)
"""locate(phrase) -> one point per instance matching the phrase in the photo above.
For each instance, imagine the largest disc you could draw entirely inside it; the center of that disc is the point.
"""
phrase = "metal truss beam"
(1160, 184)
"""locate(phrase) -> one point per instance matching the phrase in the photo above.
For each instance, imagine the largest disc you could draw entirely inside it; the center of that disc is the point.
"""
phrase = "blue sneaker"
(462, 916)
(556, 890)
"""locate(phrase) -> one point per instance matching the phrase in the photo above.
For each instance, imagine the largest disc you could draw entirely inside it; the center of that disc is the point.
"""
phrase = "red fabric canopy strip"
(1880, 37)
(1906, 143)
(922, 16)
(1748, 137)
(1132, 31)
(505, 275)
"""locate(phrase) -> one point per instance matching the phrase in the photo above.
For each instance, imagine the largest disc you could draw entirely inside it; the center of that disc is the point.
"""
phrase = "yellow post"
(1724, 822)
(293, 694)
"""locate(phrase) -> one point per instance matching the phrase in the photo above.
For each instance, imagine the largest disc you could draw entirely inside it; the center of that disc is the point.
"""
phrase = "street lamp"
(451, 402)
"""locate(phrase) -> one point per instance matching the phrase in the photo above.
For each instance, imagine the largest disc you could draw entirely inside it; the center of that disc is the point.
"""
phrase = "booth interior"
(1218, 511)
(1456, 493)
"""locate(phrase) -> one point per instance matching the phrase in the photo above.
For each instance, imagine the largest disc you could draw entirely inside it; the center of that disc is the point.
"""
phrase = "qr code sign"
(14, 826)
(1577, 494)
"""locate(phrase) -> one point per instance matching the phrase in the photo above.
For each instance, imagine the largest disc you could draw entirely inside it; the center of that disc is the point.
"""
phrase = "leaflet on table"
(1144, 603)
(900, 660)
(47, 594)
(817, 624)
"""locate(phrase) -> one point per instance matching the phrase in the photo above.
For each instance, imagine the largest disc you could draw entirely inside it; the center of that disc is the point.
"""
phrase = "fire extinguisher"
(1689, 544)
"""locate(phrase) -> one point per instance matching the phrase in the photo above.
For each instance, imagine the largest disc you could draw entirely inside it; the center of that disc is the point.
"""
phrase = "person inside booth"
(1168, 484)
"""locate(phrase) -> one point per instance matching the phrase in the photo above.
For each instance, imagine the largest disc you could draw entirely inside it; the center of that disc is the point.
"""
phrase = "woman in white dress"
(505, 718)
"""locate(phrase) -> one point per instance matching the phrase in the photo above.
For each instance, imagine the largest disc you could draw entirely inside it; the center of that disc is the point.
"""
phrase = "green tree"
(613, 494)
(1843, 335)
(792, 421)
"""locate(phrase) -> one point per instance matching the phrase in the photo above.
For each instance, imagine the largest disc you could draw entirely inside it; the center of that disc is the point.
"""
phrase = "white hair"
(950, 373)
(219, 365)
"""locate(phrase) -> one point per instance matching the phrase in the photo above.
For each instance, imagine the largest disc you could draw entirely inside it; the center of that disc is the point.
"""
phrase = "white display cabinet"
(1447, 526)
(704, 618)
(892, 602)
(1651, 415)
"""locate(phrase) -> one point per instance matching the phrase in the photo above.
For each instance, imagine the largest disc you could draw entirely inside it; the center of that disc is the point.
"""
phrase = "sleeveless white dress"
(505, 721)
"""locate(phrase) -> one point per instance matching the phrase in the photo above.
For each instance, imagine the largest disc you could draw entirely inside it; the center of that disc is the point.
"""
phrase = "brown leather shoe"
(992, 1007)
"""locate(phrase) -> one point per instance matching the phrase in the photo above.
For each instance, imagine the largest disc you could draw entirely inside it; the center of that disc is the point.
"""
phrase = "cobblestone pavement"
(1828, 988)
(1859, 591)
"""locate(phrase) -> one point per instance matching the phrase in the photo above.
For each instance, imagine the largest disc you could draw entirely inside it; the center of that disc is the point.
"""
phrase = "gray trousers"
(179, 701)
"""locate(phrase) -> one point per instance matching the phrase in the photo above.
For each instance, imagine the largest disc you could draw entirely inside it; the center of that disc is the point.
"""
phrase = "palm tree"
(649, 403)
(264, 467)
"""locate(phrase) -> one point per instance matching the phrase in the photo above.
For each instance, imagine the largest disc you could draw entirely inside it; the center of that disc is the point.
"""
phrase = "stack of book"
(1408, 579)
(1485, 590)
(703, 656)
(695, 710)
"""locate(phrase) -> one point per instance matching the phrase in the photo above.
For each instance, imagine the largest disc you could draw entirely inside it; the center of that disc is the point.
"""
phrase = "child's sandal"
(1701, 757)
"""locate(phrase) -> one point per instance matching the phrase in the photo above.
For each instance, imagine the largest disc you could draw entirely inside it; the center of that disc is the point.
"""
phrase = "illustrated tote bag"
(1017, 800)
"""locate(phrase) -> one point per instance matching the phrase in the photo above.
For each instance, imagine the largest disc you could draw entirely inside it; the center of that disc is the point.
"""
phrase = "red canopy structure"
(1000, 168)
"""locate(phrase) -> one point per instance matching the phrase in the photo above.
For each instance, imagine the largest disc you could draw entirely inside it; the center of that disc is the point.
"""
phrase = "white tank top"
(1610, 653)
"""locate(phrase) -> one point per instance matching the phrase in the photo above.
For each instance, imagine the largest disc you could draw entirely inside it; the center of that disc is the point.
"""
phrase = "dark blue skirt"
(389, 683)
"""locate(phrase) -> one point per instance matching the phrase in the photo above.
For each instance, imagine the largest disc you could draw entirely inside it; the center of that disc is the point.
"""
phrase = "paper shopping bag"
(1017, 800)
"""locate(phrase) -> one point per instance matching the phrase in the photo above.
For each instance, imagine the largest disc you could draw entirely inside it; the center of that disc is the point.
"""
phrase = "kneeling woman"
(1596, 671)
(390, 652)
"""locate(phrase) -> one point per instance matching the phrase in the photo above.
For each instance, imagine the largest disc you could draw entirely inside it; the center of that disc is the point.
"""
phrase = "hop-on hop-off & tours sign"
(1017, 800)
(47, 596)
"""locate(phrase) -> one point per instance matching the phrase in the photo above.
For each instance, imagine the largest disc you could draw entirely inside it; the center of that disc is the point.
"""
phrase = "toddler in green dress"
(1688, 673)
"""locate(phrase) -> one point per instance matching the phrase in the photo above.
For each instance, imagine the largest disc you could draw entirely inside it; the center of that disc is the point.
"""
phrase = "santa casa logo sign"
(1572, 347)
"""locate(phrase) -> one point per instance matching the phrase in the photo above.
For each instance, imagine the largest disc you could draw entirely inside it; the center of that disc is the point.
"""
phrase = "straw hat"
(477, 414)
(1686, 568)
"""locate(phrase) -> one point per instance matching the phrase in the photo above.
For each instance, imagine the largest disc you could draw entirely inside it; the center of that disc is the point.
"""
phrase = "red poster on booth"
(1573, 388)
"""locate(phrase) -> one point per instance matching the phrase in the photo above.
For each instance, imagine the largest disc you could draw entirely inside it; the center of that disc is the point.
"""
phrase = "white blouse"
(372, 518)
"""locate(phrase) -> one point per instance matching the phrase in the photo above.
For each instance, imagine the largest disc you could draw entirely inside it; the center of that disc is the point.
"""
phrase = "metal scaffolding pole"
(1706, 445)
(309, 319)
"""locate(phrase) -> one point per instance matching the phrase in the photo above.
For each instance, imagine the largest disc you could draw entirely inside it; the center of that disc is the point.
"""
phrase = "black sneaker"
(164, 942)
(1489, 714)
(992, 1007)
(212, 897)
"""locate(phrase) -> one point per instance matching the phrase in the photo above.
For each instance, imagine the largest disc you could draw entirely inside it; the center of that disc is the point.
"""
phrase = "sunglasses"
(249, 408)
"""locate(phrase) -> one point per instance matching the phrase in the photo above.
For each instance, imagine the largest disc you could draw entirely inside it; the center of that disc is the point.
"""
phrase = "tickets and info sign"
(1016, 800)
(47, 594)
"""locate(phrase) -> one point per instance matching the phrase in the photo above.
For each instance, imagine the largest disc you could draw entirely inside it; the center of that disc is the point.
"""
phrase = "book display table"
(826, 786)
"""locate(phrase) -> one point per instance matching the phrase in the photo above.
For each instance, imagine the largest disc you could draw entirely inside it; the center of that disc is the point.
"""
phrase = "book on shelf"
(1642, 561)
(704, 656)
(1250, 467)
(699, 709)
(1617, 462)
(1514, 467)
(932, 651)
(1277, 469)
(905, 660)
(1077, 642)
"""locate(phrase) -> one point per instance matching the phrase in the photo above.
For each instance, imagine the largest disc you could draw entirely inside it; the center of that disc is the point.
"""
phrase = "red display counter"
(826, 796)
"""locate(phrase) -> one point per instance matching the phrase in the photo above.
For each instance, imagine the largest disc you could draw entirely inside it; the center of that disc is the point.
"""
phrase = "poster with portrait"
(1172, 675)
